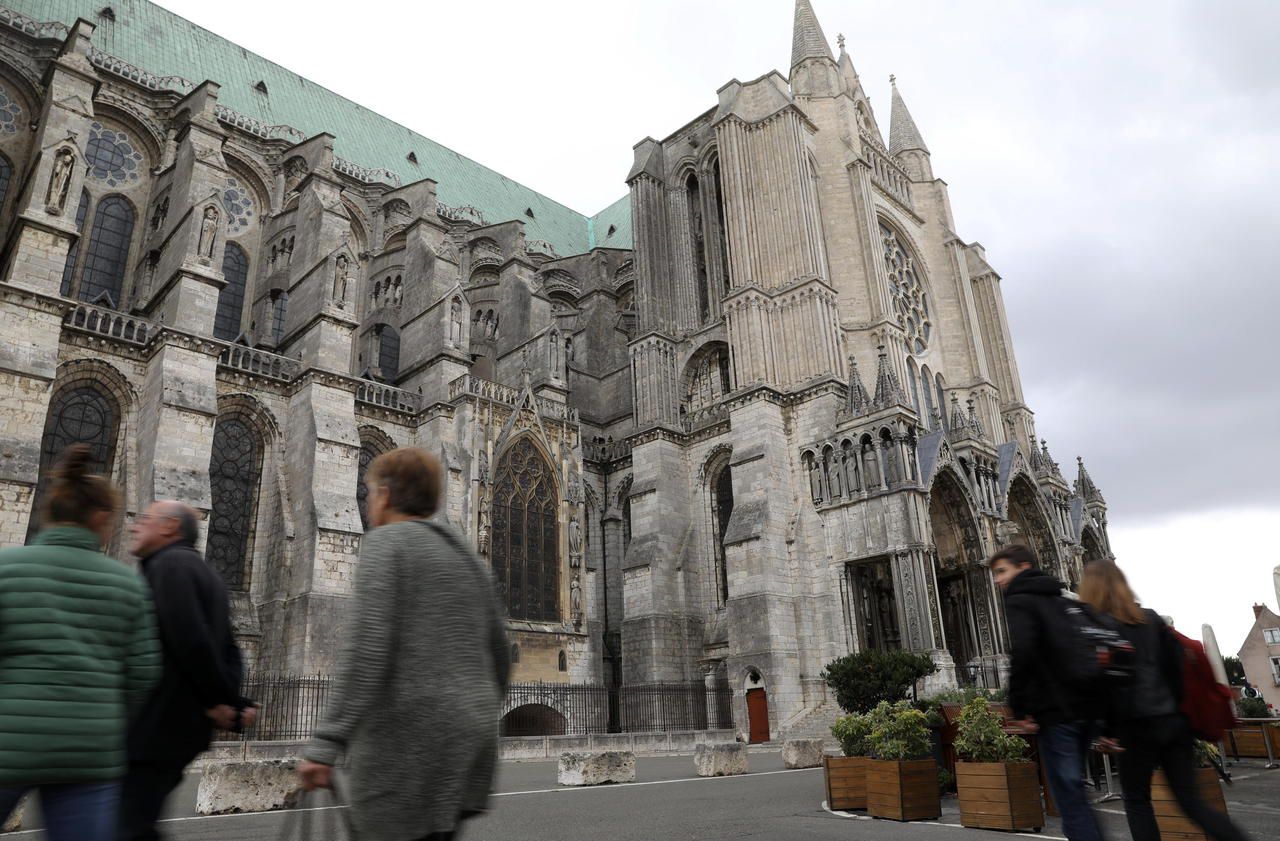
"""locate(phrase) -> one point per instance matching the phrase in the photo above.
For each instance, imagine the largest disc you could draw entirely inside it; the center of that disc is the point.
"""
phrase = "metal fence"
(979, 675)
(291, 707)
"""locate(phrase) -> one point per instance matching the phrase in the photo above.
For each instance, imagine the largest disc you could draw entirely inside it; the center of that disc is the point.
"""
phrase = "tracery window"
(111, 157)
(722, 510)
(526, 541)
(235, 268)
(80, 414)
(235, 468)
(370, 449)
(388, 352)
(10, 112)
(279, 306)
(6, 172)
(238, 202)
(107, 257)
(69, 270)
(910, 303)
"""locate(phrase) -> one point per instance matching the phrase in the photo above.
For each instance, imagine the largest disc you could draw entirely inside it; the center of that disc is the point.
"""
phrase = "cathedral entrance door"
(957, 622)
(757, 716)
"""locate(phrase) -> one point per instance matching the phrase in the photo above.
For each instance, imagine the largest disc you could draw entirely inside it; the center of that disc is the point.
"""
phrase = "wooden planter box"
(999, 795)
(846, 781)
(903, 791)
(1174, 825)
(1248, 741)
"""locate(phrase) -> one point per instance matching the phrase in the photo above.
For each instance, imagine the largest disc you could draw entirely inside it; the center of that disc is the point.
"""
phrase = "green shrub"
(900, 734)
(862, 680)
(980, 738)
(1253, 708)
(852, 732)
(932, 709)
(1207, 755)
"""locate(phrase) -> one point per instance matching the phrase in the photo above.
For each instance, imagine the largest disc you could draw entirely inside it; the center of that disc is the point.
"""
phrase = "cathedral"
(761, 412)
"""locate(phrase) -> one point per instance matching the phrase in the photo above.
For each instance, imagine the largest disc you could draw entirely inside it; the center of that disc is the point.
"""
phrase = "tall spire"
(1084, 483)
(859, 400)
(888, 389)
(903, 134)
(807, 40)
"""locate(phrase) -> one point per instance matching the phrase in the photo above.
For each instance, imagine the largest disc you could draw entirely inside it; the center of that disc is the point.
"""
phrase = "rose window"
(910, 303)
(239, 206)
(111, 156)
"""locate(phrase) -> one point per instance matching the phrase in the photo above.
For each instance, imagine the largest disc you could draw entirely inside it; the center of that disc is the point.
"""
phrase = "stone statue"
(455, 322)
(554, 353)
(397, 293)
(815, 481)
(340, 279)
(575, 536)
(575, 600)
(208, 231)
(574, 492)
(162, 213)
(484, 467)
(64, 164)
(834, 476)
(482, 531)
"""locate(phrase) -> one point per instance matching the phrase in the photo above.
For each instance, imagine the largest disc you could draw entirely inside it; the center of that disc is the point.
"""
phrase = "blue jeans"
(72, 811)
(1063, 748)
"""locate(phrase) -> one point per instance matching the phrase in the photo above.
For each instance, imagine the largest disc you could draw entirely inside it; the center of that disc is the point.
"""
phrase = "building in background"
(760, 413)
(1260, 655)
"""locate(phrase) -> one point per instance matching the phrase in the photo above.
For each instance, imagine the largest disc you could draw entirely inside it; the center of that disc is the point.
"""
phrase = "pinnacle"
(903, 134)
(807, 40)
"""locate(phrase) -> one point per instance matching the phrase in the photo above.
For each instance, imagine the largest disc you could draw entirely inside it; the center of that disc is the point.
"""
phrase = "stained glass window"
(525, 544)
(239, 206)
(6, 172)
(909, 301)
(235, 268)
(234, 471)
(69, 270)
(10, 112)
(388, 352)
(111, 157)
(722, 502)
(279, 306)
(81, 414)
(107, 257)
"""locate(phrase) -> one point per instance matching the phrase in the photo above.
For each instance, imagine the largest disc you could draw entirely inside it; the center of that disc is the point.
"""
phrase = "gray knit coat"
(421, 678)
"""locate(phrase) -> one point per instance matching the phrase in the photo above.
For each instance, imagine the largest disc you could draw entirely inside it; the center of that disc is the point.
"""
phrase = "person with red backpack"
(1150, 717)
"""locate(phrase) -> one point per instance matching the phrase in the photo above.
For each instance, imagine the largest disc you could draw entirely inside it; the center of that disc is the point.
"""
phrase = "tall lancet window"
(525, 547)
(235, 468)
(698, 235)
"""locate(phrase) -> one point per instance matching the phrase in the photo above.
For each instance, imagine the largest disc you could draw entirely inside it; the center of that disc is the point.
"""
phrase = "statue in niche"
(162, 213)
(834, 476)
(484, 467)
(340, 279)
(455, 322)
(397, 293)
(64, 165)
(815, 480)
(482, 532)
(574, 493)
(575, 600)
(575, 537)
(554, 351)
(208, 231)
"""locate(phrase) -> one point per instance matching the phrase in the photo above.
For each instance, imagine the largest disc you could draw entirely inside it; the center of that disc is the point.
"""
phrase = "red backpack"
(1205, 702)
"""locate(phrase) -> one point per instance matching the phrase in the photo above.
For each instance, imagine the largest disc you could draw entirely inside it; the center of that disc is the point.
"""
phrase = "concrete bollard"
(802, 753)
(230, 787)
(725, 760)
(596, 768)
(13, 822)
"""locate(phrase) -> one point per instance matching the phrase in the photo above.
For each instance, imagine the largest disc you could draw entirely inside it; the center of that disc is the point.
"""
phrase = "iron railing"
(291, 707)
(979, 675)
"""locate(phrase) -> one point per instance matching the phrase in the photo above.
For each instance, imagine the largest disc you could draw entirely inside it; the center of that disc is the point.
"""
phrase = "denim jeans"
(72, 811)
(1063, 748)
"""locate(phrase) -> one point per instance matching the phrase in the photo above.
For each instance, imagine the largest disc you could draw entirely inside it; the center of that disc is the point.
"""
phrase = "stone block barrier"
(596, 768)
(230, 787)
(802, 753)
(724, 760)
(13, 823)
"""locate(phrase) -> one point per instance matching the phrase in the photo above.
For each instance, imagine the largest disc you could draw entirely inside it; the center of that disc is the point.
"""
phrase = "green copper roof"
(163, 43)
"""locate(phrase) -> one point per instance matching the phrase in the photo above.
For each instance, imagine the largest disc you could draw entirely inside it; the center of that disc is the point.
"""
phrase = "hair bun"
(74, 463)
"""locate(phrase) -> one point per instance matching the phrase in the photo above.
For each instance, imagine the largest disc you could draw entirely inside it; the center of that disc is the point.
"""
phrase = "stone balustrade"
(388, 397)
(106, 322)
(260, 363)
(365, 174)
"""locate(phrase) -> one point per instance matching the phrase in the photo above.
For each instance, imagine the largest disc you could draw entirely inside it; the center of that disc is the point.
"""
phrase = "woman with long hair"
(1151, 729)
(78, 652)
(422, 671)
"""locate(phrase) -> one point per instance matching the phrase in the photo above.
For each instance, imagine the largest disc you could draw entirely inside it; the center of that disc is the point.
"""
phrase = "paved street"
(769, 803)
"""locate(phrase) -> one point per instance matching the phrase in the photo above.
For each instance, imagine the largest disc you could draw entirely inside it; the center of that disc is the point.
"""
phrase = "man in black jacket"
(1042, 702)
(200, 688)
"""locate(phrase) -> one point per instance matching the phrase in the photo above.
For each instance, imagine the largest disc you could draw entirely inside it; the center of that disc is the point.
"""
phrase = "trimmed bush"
(862, 680)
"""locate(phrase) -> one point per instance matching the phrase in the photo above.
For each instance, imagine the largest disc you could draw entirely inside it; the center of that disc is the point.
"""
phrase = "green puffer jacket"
(78, 651)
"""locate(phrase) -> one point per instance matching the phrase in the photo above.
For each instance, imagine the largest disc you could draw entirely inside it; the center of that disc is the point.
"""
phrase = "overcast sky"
(1119, 161)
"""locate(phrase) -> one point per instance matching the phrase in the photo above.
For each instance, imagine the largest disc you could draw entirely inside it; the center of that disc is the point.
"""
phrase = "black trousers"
(146, 787)
(1166, 742)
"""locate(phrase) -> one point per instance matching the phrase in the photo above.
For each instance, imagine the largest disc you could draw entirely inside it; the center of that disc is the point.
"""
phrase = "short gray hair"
(188, 520)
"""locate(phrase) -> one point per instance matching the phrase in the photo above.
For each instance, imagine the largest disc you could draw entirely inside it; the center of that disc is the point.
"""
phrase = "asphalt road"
(667, 802)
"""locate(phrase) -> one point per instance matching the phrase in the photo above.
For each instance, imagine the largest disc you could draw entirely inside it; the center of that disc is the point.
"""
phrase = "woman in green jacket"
(78, 651)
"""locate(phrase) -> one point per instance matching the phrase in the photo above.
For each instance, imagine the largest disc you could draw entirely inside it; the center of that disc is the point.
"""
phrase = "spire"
(958, 421)
(807, 40)
(1084, 483)
(888, 390)
(848, 74)
(903, 134)
(858, 397)
(974, 423)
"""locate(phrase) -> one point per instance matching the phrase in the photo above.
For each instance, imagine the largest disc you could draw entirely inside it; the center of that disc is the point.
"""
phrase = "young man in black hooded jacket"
(1042, 702)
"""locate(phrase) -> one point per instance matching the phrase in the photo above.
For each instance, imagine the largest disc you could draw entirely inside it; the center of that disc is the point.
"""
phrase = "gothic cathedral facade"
(760, 413)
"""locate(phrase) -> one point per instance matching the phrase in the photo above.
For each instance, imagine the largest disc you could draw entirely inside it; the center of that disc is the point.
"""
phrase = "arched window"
(388, 352)
(69, 270)
(926, 388)
(370, 448)
(107, 256)
(564, 662)
(515, 653)
(910, 303)
(526, 542)
(722, 234)
(78, 414)
(235, 468)
(235, 268)
(698, 235)
(912, 377)
(721, 511)
(942, 403)
(6, 172)
(279, 307)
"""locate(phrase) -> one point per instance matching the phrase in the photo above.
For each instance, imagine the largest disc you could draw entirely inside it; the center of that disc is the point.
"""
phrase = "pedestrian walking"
(1044, 703)
(1152, 729)
(78, 651)
(422, 671)
(200, 687)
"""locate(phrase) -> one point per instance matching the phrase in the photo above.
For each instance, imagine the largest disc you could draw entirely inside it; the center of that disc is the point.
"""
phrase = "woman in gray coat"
(423, 668)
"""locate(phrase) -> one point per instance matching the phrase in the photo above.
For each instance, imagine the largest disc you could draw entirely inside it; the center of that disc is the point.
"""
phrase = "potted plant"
(861, 681)
(847, 775)
(1169, 817)
(999, 787)
(902, 778)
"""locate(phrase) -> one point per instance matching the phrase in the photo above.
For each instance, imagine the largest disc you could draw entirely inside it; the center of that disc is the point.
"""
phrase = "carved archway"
(1034, 528)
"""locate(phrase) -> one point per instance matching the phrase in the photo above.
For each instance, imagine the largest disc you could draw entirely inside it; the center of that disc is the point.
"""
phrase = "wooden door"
(758, 715)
